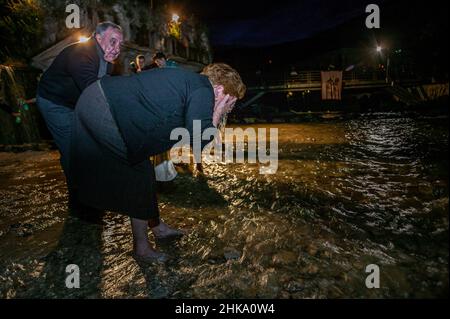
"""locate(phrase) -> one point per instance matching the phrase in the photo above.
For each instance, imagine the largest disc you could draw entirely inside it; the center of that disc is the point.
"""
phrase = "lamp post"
(175, 26)
(388, 63)
(380, 50)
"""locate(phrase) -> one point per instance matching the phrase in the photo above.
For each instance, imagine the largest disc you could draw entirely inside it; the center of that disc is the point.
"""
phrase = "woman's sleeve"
(198, 114)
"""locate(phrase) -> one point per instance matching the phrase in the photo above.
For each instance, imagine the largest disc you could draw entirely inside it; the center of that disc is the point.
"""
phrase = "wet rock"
(259, 254)
(231, 253)
(312, 250)
(160, 293)
(327, 254)
(245, 283)
(249, 228)
(264, 248)
(295, 286)
(311, 269)
(275, 205)
(439, 189)
(284, 258)
(345, 277)
(284, 295)
(269, 283)
(22, 229)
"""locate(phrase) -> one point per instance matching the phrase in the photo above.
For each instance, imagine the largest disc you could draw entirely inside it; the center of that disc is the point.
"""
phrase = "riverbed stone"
(284, 258)
(231, 253)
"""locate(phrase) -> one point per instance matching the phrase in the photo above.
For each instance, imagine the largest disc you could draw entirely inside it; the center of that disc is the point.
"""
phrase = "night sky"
(263, 23)
(288, 31)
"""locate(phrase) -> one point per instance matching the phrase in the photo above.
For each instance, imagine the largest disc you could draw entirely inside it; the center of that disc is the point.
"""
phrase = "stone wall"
(20, 123)
(145, 29)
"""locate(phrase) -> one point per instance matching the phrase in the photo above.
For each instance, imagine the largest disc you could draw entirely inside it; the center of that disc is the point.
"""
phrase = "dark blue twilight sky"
(262, 23)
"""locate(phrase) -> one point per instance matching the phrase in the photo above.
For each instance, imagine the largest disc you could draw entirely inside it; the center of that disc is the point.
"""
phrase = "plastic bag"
(165, 171)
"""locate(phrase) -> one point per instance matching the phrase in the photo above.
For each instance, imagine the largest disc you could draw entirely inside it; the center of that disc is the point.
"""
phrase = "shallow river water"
(348, 193)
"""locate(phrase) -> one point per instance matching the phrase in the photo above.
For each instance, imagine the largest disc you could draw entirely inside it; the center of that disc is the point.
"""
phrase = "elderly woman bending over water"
(121, 121)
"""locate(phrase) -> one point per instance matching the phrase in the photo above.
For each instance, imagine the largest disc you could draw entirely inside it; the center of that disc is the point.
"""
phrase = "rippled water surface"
(348, 193)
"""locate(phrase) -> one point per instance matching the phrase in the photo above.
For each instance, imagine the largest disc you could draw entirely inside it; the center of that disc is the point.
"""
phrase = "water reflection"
(372, 189)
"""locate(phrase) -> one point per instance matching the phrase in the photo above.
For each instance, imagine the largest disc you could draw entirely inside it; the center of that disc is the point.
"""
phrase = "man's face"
(141, 62)
(160, 62)
(110, 42)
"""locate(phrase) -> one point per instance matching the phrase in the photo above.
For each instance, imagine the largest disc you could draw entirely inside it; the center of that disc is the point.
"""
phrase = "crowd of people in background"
(159, 60)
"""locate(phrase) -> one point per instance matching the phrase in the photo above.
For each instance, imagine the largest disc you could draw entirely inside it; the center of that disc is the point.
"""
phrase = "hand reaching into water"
(223, 105)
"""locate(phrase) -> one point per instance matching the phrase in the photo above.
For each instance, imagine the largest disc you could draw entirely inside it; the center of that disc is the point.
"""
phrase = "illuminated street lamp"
(380, 50)
(175, 26)
(83, 39)
(175, 18)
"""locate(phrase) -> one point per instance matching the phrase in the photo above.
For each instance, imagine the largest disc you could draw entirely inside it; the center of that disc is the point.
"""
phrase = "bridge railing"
(314, 78)
(304, 77)
(354, 76)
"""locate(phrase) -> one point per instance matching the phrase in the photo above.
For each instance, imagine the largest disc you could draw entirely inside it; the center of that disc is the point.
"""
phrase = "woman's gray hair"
(103, 26)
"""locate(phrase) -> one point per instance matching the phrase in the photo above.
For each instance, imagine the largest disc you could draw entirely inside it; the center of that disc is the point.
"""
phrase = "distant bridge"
(311, 81)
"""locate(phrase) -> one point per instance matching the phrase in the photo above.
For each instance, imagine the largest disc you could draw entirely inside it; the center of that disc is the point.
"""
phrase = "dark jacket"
(151, 66)
(109, 161)
(74, 69)
(147, 106)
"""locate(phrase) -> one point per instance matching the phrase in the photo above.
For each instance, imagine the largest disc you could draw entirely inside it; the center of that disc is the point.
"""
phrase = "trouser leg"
(59, 120)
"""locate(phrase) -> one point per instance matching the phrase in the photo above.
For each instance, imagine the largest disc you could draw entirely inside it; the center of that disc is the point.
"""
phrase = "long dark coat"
(120, 122)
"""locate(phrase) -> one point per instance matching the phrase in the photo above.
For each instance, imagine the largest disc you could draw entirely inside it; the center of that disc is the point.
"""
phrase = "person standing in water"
(74, 69)
(121, 121)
